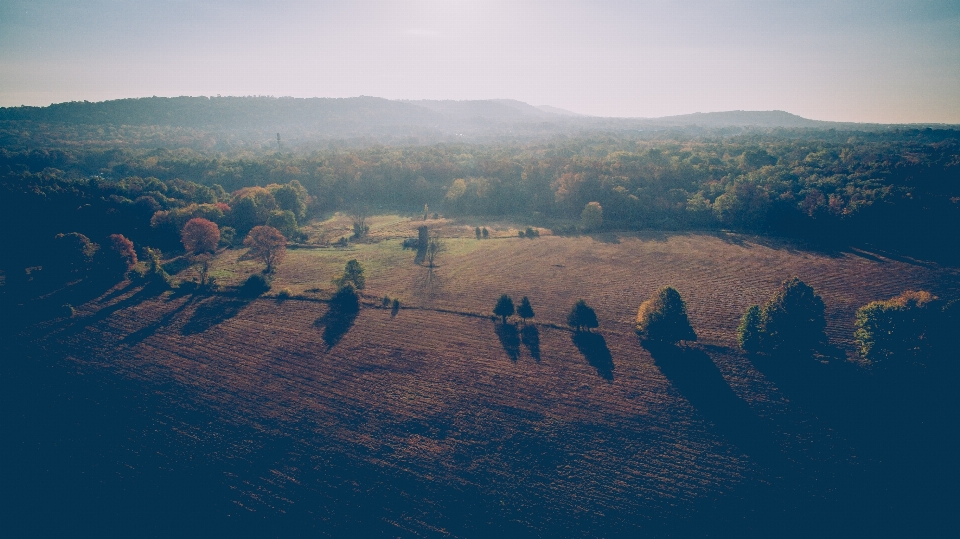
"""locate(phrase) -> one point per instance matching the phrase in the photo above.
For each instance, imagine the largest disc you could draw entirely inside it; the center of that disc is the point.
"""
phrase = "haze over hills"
(425, 121)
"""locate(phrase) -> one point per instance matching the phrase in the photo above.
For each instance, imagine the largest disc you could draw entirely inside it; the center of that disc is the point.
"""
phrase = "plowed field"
(432, 422)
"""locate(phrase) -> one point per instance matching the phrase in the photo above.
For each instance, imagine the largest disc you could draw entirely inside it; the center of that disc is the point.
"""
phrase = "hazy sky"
(871, 61)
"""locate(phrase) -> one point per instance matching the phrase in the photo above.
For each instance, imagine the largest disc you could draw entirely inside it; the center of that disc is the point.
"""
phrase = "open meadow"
(434, 420)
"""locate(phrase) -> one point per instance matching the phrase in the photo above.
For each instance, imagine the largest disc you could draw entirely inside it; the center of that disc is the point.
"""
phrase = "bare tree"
(360, 226)
(434, 247)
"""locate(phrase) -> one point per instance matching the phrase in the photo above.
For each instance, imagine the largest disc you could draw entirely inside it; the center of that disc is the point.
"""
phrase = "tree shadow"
(594, 348)
(530, 337)
(421, 254)
(509, 339)
(213, 311)
(694, 375)
(394, 310)
(335, 325)
(427, 284)
(142, 334)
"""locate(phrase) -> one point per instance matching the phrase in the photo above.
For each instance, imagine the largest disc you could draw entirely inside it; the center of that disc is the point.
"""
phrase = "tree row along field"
(430, 423)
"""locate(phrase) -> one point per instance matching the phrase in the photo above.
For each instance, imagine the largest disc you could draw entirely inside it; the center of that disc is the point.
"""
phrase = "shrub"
(663, 318)
(485, 232)
(477, 232)
(582, 316)
(286, 293)
(255, 285)
(532, 233)
(521, 234)
(504, 307)
(385, 302)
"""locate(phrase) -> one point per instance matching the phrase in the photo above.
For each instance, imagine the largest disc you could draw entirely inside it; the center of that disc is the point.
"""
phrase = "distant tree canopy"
(268, 245)
(200, 236)
(582, 317)
(663, 318)
(887, 187)
(792, 321)
(504, 308)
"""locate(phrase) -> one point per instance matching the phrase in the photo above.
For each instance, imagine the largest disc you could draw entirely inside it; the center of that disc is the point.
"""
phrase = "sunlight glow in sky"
(868, 61)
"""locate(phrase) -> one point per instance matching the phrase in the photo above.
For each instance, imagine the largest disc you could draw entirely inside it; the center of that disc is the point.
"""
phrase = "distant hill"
(742, 118)
(383, 120)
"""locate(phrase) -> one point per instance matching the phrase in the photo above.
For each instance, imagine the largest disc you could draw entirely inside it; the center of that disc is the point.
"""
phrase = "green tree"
(591, 218)
(73, 252)
(477, 232)
(284, 221)
(582, 316)
(434, 247)
(292, 197)
(525, 310)
(793, 320)
(485, 232)
(352, 274)
(504, 308)
(899, 329)
(663, 318)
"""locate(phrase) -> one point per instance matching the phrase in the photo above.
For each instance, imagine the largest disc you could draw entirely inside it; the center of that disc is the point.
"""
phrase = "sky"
(863, 61)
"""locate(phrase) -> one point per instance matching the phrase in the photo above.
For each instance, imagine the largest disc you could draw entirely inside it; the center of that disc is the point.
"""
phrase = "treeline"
(894, 190)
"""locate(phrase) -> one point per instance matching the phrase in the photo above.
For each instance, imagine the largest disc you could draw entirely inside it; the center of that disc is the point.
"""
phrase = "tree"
(200, 236)
(504, 307)
(525, 310)
(485, 232)
(360, 226)
(663, 318)
(477, 232)
(749, 331)
(591, 218)
(284, 221)
(793, 320)
(73, 252)
(123, 257)
(899, 329)
(268, 245)
(352, 274)
(434, 247)
(292, 197)
(582, 317)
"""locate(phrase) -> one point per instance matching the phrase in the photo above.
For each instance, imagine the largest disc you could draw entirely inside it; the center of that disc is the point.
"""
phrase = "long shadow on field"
(530, 337)
(144, 333)
(509, 339)
(212, 311)
(694, 374)
(594, 348)
(335, 325)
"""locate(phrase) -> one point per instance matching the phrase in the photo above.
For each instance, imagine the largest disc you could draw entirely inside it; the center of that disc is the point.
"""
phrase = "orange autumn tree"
(268, 245)
(200, 236)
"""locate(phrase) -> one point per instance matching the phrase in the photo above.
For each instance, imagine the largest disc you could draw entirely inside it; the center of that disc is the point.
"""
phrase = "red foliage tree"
(125, 251)
(267, 244)
(200, 235)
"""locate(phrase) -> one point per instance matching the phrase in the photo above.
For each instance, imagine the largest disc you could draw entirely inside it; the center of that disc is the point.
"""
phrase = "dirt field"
(434, 422)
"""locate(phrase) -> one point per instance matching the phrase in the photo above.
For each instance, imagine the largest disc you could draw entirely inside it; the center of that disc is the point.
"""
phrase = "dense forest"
(897, 190)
